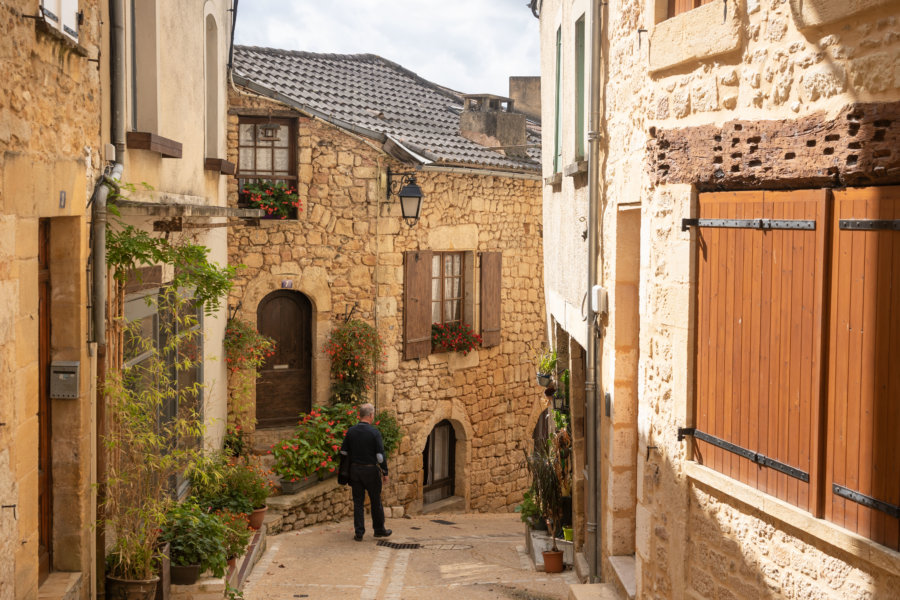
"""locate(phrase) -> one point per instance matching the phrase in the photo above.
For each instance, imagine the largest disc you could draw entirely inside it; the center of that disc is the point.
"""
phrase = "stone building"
(739, 191)
(345, 130)
(77, 107)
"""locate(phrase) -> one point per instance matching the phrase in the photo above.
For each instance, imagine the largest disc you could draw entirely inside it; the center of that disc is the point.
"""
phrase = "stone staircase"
(453, 504)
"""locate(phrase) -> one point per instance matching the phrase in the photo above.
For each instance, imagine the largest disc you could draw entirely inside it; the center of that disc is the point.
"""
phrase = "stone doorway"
(439, 463)
(284, 387)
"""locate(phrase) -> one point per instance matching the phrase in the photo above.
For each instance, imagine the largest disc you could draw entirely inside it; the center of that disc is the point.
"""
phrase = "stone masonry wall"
(347, 249)
(693, 541)
(49, 144)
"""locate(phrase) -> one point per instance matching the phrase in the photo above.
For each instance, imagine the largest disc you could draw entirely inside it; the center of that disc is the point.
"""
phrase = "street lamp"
(409, 192)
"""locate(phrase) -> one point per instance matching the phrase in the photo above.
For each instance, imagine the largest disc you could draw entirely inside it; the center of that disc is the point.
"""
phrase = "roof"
(377, 98)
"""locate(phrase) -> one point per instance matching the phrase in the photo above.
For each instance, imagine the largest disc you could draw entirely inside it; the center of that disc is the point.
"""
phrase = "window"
(798, 323)
(579, 89)
(676, 7)
(447, 285)
(439, 288)
(212, 88)
(62, 15)
(144, 68)
(557, 119)
(265, 150)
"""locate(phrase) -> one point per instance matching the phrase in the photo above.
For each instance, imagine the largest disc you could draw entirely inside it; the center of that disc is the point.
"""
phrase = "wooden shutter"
(863, 453)
(490, 298)
(759, 339)
(416, 304)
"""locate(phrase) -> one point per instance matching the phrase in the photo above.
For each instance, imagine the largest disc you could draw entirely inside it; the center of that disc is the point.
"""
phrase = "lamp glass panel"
(410, 206)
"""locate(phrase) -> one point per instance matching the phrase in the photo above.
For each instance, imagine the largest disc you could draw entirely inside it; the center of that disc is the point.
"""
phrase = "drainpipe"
(98, 267)
(595, 229)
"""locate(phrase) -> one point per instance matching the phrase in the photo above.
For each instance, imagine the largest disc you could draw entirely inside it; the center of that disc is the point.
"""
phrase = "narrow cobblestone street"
(460, 556)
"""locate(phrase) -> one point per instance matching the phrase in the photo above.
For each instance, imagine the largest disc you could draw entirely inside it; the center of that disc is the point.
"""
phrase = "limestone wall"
(346, 249)
(49, 147)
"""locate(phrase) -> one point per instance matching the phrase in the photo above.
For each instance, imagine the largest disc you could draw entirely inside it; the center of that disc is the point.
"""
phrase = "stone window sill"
(695, 35)
(579, 167)
(553, 180)
(815, 13)
(61, 585)
(838, 537)
(66, 41)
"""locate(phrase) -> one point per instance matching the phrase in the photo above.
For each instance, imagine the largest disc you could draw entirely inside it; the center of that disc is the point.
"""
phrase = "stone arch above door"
(312, 283)
(455, 413)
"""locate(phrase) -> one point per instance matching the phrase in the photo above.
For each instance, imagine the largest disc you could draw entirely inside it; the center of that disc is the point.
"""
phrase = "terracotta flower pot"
(184, 575)
(553, 561)
(130, 589)
(256, 517)
(232, 562)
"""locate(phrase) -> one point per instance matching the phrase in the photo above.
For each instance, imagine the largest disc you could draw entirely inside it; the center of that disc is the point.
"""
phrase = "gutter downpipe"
(99, 268)
(593, 357)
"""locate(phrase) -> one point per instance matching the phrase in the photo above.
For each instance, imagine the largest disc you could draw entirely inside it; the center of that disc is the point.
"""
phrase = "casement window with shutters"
(439, 288)
(797, 334)
(62, 15)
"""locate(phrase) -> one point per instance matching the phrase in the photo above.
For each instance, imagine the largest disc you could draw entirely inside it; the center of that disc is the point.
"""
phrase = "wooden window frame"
(463, 317)
(242, 175)
(679, 7)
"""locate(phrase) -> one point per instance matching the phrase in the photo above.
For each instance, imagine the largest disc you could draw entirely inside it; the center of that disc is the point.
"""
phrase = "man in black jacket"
(368, 469)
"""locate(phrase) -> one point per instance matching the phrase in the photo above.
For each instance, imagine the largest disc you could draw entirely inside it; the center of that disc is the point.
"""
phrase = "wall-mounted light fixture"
(409, 192)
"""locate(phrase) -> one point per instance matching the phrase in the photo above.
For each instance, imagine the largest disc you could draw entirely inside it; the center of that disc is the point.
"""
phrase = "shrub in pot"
(237, 533)
(221, 482)
(542, 465)
(195, 537)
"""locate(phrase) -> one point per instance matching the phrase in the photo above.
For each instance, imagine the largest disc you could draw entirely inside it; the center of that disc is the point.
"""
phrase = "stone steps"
(453, 504)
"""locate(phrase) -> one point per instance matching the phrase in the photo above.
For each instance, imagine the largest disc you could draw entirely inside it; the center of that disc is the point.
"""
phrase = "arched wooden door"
(284, 387)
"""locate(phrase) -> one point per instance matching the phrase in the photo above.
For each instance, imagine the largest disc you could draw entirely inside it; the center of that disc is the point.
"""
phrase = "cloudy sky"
(471, 46)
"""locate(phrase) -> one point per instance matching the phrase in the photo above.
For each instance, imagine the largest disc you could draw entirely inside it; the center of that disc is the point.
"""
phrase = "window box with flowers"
(455, 336)
(280, 200)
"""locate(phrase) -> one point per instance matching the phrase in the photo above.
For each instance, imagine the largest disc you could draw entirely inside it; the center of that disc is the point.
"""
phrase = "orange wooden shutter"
(759, 339)
(490, 298)
(417, 304)
(863, 453)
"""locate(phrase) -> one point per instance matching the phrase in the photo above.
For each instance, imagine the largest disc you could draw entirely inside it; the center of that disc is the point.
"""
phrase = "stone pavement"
(461, 556)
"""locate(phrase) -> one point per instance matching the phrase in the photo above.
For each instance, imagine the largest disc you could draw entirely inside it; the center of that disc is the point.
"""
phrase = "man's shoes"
(358, 537)
(385, 533)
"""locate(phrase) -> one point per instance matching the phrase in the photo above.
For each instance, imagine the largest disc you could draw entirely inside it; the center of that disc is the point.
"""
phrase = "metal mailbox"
(64, 379)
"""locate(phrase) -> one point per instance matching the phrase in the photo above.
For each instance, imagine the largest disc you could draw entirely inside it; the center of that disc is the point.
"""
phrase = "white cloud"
(472, 46)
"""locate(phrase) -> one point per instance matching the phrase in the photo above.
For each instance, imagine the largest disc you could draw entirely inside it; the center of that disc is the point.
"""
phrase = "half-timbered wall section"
(797, 317)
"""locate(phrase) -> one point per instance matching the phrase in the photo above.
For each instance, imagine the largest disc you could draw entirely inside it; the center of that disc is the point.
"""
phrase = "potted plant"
(529, 512)
(196, 541)
(279, 200)
(454, 337)
(296, 463)
(215, 485)
(547, 495)
(237, 534)
(545, 359)
(252, 481)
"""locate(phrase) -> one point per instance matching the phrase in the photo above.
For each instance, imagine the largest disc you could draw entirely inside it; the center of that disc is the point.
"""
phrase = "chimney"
(488, 120)
(526, 93)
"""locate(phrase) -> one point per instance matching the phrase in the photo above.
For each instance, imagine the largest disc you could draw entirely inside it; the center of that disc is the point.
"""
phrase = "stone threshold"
(624, 570)
(61, 585)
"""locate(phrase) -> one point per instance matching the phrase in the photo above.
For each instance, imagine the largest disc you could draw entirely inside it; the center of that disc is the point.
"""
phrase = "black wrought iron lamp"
(404, 186)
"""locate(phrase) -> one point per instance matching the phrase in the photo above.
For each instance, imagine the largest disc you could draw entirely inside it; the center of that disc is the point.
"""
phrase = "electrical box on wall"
(64, 379)
(599, 300)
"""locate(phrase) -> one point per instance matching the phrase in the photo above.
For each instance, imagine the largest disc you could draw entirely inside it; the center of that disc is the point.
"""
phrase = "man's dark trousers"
(366, 478)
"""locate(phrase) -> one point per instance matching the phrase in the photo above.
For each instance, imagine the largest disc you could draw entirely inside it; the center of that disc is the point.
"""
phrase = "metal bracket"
(870, 224)
(867, 501)
(751, 455)
(173, 224)
(762, 224)
(13, 507)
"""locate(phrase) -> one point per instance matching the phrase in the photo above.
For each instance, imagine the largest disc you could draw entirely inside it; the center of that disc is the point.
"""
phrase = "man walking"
(365, 449)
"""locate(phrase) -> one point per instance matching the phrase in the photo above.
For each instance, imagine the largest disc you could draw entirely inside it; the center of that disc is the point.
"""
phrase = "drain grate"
(442, 522)
(397, 546)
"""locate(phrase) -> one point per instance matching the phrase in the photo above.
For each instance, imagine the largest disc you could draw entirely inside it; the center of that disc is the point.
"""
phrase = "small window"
(62, 15)
(579, 89)
(265, 150)
(448, 287)
(557, 120)
(676, 7)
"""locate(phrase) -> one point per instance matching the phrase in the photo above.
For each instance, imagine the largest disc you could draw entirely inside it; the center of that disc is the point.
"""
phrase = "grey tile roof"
(375, 94)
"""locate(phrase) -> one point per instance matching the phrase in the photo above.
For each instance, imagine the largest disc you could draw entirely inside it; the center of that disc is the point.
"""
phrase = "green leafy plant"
(314, 448)
(234, 442)
(454, 337)
(237, 485)
(146, 452)
(545, 360)
(276, 198)
(246, 350)
(195, 537)
(545, 485)
(391, 434)
(128, 248)
(237, 533)
(355, 350)
(529, 512)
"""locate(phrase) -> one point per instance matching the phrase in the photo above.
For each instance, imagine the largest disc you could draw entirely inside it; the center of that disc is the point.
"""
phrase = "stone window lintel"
(704, 32)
